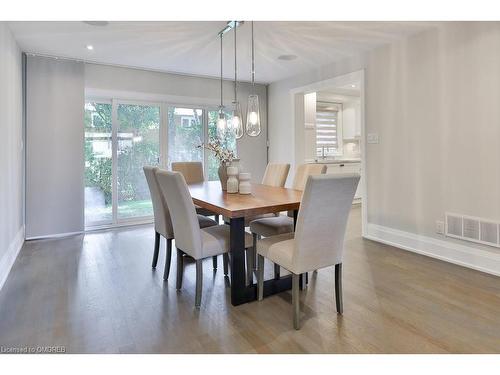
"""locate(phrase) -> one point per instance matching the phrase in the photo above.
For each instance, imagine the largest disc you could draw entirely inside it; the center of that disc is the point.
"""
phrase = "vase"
(222, 171)
(232, 180)
(245, 186)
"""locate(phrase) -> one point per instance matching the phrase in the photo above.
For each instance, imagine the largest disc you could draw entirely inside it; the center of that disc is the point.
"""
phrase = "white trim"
(466, 256)
(10, 256)
(54, 235)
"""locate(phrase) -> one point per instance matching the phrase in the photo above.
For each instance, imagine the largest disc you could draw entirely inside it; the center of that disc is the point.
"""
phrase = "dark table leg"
(239, 291)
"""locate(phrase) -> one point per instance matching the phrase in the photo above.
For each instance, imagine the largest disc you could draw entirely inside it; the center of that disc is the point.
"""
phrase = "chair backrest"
(182, 211)
(276, 174)
(322, 219)
(163, 223)
(304, 171)
(191, 170)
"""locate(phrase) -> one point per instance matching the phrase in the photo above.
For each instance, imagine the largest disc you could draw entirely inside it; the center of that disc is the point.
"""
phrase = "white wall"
(433, 100)
(54, 147)
(11, 152)
(182, 89)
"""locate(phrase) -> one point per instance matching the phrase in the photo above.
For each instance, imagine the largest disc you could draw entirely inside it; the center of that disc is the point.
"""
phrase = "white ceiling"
(193, 47)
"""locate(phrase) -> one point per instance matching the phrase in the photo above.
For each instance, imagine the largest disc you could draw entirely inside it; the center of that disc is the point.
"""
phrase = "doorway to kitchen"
(329, 128)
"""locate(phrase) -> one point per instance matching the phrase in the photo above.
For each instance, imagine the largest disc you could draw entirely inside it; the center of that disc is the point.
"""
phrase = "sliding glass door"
(138, 137)
(185, 134)
(98, 163)
(120, 138)
(123, 136)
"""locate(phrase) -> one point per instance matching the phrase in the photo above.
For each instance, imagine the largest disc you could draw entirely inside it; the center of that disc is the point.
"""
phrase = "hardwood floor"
(97, 293)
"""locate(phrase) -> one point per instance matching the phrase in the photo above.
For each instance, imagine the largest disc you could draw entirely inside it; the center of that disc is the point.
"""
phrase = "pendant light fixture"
(253, 112)
(221, 121)
(237, 120)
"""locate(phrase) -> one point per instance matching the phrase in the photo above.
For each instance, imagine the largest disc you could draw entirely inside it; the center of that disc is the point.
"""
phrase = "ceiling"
(194, 48)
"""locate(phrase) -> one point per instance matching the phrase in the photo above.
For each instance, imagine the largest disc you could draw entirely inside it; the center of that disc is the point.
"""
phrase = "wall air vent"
(473, 229)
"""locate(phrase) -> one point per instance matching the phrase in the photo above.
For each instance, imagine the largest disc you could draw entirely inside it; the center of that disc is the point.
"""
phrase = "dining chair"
(274, 175)
(190, 240)
(163, 222)
(193, 174)
(273, 225)
(318, 241)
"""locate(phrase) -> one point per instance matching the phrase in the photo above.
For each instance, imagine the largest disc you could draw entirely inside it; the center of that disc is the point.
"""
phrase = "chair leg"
(157, 249)
(249, 255)
(295, 301)
(255, 238)
(276, 271)
(180, 269)
(214, 261)
(225, 259)
(168, 258)
(199, 283)
(260, 277)
(338, 288)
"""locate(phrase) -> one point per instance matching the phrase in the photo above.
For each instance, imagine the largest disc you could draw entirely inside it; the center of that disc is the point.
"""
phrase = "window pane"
(97, 122)
(230, 142)
(185, 134)
(138, 145)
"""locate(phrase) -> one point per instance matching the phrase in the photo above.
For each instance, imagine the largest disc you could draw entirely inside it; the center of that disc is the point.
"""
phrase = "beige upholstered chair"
(318, 240)
(272, 226)
(274, 175)
(193, 174)
(189, 238)
(163, 223)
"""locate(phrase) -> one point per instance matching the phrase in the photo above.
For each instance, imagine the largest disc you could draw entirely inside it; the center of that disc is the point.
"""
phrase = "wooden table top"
(264, 199)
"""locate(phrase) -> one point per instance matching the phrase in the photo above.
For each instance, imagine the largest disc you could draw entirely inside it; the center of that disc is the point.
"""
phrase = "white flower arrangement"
(222, 153)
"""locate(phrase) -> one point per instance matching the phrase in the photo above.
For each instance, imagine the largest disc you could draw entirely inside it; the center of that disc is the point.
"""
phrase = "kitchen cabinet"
(340, 168)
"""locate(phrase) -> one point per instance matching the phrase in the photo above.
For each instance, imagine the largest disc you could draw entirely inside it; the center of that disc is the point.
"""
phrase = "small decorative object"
(245, 187)
(232, 181)
(224, 155)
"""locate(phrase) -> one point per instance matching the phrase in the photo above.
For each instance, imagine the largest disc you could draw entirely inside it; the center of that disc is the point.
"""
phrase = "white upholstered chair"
(274, 225)
(189, 238)
(193, 174)
(163, 223)
(318, 240)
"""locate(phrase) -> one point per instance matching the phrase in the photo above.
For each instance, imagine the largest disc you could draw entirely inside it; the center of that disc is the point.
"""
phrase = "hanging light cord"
(235, 77)
(253, 64)
(221, 71)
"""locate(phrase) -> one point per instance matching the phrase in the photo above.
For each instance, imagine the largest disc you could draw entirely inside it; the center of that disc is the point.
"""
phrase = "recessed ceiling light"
(96, 23)
(90, 47)
(287, 57)
(353, 86)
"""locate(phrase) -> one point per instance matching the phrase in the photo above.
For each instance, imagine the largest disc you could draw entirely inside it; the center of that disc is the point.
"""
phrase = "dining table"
(264, 199)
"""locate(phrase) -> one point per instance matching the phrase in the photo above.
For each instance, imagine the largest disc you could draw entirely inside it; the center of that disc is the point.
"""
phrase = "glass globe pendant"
(253, 112)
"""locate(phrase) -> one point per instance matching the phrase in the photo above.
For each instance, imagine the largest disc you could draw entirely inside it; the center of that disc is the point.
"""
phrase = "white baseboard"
(8, 259)
(463, 255)
(55, 235)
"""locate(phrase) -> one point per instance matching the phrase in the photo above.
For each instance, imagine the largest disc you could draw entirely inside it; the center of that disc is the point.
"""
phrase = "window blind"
(327, 131)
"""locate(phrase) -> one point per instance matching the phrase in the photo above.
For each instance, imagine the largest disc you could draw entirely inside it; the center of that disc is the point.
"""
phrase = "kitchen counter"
(334, 161)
